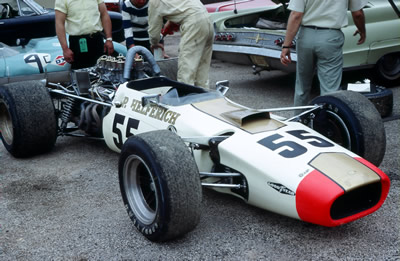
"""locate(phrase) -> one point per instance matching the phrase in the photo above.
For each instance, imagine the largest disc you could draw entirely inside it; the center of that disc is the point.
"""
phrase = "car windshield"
(173, 98)
(29, 7)
(7, 51)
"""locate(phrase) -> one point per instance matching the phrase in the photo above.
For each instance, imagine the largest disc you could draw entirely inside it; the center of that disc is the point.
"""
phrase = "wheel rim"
(140, 189)
(6, 126)
(389, 67)
(335, 129)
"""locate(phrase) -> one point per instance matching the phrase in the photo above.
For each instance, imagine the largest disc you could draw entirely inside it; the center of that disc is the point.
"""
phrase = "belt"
(91, 35)
(319, 28)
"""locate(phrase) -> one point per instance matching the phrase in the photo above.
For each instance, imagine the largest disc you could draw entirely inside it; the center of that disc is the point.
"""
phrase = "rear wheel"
(160, 185)
(387, 70)
(352, 121)
(27, 118)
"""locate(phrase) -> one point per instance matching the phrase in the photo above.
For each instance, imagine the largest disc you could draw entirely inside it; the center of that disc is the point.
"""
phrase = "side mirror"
(151, 99)
(222, 86)
(22, 42)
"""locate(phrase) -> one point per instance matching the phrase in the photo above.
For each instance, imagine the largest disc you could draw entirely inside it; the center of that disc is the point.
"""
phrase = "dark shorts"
(87, 49)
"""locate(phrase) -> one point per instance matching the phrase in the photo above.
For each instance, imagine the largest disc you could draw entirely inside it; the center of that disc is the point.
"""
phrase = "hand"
(68, 55)
(362, 37)
(108, 47)
(285, 57)
(156, 46)
(170, 28)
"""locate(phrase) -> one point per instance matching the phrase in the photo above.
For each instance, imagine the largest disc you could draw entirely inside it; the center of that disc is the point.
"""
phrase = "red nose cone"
(322, 201)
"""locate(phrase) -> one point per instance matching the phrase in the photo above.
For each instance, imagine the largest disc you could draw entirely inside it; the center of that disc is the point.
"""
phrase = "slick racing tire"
(350, 120)
(382, 98)
(160, 185)
(28, 123)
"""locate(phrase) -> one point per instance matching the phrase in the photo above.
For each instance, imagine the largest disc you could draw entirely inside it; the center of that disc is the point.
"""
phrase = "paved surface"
(66, 205)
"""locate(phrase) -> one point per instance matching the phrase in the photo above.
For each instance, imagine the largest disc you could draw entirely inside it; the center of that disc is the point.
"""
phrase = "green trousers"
(320, 51)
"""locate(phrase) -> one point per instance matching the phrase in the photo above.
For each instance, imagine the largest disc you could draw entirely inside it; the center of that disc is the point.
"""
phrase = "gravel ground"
(66, 205)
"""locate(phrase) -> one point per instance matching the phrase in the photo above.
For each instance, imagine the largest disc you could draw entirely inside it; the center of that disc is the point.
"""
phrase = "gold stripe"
(252, 121)
(344, 170)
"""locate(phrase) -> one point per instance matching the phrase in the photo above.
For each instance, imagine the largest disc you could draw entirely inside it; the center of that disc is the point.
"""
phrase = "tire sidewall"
(381, 97)
(136, 146)
(338, 107)
(8, 101)
(33, 118)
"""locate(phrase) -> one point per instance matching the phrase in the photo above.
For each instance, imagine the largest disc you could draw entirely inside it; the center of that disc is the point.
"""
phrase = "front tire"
(381, 97)
(27, 119)
(352, 121)
(160, 185)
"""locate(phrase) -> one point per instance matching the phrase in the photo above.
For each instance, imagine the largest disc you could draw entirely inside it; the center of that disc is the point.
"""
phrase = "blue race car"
(40, 58)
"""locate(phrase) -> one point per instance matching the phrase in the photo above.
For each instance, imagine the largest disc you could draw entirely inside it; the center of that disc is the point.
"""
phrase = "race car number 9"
(38, 60)
(118, 123)
(293, 149)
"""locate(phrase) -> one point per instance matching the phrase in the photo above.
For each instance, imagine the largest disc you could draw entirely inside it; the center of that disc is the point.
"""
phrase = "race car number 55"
(118, 123)
(293, 149)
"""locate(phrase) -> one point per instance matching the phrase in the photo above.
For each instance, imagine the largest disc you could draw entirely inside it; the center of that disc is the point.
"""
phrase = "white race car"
(174, 139)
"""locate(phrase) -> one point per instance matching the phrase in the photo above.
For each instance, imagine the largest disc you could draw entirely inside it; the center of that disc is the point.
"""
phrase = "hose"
(130, 57)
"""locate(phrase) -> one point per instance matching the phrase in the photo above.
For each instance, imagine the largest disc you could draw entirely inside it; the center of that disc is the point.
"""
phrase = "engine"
(82, 104)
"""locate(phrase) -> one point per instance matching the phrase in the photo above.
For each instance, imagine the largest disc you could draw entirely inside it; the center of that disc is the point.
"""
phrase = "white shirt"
(83, 17)
(326, 13)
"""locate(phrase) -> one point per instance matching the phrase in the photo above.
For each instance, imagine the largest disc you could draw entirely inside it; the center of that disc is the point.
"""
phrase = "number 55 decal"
(118, 129)
(293, 149)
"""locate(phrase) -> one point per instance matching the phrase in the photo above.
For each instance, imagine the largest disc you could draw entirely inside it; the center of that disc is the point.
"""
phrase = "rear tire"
(352, 121)
(387, 70)
(27, 119)
(160, 185)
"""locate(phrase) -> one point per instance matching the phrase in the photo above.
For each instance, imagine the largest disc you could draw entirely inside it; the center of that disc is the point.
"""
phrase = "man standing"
(195, 48)
(319, 42)
(135, 23)
(84, 22)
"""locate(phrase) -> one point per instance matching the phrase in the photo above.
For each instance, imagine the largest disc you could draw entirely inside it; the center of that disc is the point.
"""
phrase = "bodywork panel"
(289, 169)
(255, 45)
(40, 58)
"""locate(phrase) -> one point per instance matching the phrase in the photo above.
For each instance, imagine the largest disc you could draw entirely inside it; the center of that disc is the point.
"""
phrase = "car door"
(2, 62)
(30, 20)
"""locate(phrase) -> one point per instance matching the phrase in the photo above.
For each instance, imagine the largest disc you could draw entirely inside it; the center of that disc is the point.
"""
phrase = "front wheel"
(160, 185)
(28, 123)
(352, 121)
